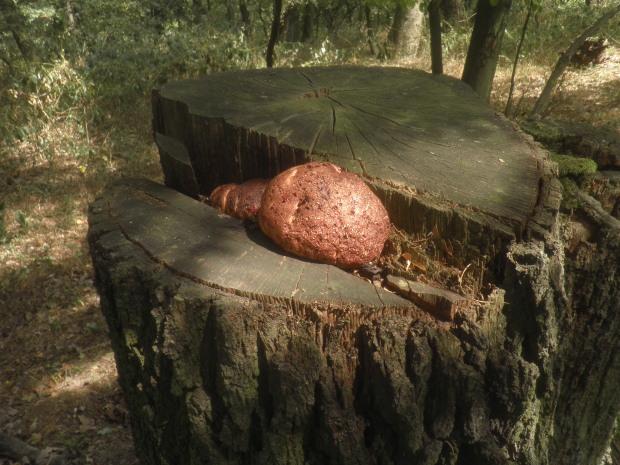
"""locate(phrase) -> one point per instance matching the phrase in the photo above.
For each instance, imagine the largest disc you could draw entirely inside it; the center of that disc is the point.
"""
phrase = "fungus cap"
(322, 212)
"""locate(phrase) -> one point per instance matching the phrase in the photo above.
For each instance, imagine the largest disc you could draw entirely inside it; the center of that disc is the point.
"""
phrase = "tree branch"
(517, 55)
(564, 60)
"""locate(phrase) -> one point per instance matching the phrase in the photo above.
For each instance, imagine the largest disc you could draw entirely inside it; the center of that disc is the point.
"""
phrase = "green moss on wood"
(575, 173)
(543, 133)
(580, 170)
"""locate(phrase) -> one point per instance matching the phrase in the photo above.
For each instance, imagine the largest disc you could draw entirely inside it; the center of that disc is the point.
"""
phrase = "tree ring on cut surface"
(322, 212)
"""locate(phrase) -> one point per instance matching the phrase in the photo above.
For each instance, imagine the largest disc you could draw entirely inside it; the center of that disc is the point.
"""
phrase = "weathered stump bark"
(230, 351)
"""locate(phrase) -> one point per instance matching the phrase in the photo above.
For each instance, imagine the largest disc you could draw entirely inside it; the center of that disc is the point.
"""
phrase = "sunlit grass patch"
(589, 95)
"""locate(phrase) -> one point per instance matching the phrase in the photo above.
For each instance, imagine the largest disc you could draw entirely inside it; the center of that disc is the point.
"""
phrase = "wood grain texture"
(196, 241)
(435, 155)
(176, 165)
(403, 128)
(440, 303)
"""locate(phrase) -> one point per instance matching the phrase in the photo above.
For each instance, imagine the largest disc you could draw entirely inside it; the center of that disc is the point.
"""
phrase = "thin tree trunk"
(564, 60)
(230, 12)
(245, 18)
(484, 46)
(517, 54)
(309, 20)
(434, 22)
(397, 25)
(370, 31)
(275, 32)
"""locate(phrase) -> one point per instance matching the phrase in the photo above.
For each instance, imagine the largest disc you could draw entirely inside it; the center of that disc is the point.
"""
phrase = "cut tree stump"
(433, 153)
(230, 351)
(440, 303)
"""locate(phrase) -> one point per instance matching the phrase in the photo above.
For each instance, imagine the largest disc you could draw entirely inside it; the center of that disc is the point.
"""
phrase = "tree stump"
(438, 159)
(231, 351)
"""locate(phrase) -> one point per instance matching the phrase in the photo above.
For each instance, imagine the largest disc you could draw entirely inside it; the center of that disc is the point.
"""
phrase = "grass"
(56, 366)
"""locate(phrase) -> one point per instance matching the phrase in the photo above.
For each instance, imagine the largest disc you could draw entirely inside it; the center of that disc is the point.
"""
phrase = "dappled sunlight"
(85, 375)
(58, 238)
(76, 115)
(589, 95)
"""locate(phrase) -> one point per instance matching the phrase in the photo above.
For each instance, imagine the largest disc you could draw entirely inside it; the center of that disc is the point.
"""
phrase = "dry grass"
(588, 95)
(58, 377)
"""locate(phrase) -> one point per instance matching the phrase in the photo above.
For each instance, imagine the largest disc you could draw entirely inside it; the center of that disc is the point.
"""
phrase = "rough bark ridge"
(213, 377)
(232, 352)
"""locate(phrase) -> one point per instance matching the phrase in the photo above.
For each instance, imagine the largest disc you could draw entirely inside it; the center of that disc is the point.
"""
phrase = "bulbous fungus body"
(322, 212)
(241, 201)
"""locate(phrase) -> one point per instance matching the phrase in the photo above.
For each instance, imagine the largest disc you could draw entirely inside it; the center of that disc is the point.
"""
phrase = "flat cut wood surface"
(196, 241)
(402, 128)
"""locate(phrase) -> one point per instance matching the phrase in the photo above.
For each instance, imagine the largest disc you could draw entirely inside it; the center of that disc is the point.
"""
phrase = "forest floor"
(57, 372)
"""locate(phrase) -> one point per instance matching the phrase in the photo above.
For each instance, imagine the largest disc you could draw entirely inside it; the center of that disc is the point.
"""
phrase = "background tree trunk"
(564, 60)
(230, 11)
(275, 32)
(434, 22)
(370, 32)
(406, 31)
(397, 24)
(452, 10)
(310, 18)
(484, 46)
(245, 18)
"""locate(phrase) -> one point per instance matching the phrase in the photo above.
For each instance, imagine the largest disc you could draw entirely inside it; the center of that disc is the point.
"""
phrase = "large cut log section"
(231, 351)
(436, 156)
(219, 251)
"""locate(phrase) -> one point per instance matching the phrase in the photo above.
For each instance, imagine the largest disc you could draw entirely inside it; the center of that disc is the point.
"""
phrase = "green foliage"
(580, 170)
(575, 173)
(93, 63)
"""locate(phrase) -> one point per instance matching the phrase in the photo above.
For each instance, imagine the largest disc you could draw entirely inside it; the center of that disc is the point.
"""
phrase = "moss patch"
(544, 133)
(580, 170)
(575, 173)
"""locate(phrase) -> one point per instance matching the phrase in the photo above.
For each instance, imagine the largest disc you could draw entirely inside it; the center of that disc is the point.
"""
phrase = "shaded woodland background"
(75, 84)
